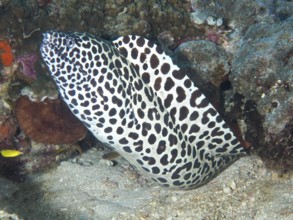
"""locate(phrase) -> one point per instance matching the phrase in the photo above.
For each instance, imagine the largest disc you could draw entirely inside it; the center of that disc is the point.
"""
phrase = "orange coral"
(6, 55)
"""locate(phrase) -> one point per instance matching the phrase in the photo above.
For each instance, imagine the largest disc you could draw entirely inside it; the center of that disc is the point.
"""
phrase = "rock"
(206, 63)
(208, 60)
(262, 72)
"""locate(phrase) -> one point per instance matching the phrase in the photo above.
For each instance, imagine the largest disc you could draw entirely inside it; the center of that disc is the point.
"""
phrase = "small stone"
(219, 22)
(141, 180)
(232, 185)
(112, 184)
(196, 19)
(153, 203)
(211, 21)
(106, 162)
(275, 176)
(87, 163)
(82, 162)
(130, 174)
(174, 198)
(105, 179)
(227, 190)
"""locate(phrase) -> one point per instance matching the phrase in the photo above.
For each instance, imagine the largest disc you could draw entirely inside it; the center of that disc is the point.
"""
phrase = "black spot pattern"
(169, 84)
(146, 77)
(157, 85)
(165, 68)
(134, 53)
(126, 39)
(168, 101)
(140, 41)
(180, 94)
(154, 61)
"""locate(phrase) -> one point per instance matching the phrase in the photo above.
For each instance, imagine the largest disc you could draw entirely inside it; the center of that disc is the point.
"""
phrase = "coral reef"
(239, 54)
(243, 13)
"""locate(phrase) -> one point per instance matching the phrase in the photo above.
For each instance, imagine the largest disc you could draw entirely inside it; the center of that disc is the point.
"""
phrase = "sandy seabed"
(89, 187)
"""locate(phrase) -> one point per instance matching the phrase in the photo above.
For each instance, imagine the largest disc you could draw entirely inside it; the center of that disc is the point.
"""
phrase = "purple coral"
(28, 62)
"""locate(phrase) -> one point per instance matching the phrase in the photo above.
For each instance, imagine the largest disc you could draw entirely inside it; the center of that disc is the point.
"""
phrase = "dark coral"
(49, 122)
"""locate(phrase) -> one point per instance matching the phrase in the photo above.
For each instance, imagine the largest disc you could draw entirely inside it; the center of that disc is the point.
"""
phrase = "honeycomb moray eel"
(131, 96)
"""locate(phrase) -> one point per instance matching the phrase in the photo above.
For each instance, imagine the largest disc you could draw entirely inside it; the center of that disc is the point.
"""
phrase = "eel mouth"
(45, 46)
(48, 45)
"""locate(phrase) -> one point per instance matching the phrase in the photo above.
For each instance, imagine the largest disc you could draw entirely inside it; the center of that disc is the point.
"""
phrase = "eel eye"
(70, 42)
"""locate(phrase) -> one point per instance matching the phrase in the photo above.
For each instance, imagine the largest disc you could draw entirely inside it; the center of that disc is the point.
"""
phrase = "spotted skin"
(132, 97)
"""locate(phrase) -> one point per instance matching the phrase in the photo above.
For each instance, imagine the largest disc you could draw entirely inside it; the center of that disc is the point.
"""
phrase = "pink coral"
(28, 62)
(217, 36)
(213, 36)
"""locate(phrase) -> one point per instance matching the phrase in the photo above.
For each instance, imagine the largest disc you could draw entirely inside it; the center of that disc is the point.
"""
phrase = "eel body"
(131, 96)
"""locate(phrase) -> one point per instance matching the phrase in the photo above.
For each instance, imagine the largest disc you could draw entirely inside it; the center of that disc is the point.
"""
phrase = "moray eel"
(131, 96)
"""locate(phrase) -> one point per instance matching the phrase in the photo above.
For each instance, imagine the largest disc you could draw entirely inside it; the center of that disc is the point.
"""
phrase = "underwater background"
(239, 53)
